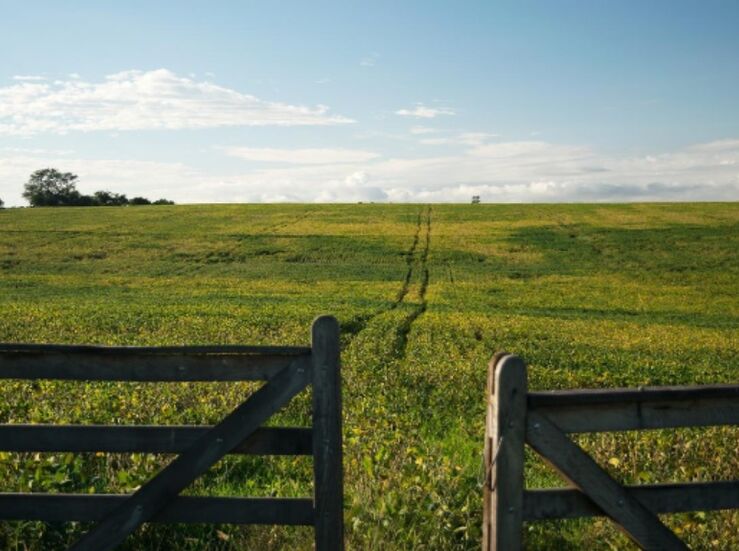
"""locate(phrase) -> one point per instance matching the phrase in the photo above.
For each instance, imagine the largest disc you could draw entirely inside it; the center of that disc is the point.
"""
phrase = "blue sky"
(385, 101)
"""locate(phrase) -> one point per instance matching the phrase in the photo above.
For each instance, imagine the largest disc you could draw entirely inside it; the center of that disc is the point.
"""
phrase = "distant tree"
(85, 201)
(109, 199)
(139, 201)
(49, 187)
(1, 204)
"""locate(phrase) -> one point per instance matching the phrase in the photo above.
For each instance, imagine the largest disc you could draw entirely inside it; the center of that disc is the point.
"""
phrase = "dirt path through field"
(405, 327)
(417, 263)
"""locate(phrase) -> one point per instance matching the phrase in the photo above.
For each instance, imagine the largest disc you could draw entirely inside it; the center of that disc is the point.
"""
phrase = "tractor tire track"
(417, 262)
(410, 260)
(356, 325)
(405, 327)
(231, 250)
(270, 231)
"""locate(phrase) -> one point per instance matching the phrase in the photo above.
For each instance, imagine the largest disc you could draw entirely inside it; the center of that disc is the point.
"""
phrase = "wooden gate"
(542, 420)
(286, 370)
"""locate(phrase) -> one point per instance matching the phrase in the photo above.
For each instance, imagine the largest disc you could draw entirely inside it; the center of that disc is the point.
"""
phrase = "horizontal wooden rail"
(135, 350)
(658, 498)
(549, 398)
(145, 439)
(93, 365)
(93, 508)
(600, 410)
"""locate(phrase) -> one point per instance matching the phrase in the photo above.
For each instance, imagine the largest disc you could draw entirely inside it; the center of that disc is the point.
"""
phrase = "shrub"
(109, 199)
(139, 201)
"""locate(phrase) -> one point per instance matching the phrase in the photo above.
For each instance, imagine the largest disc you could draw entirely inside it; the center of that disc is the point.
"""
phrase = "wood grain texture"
(146, 439)
(505, 459)
(489, 449)
(152, 497)
(154, 350)
(94, 508)
(143, 366)
(551, 398)
(617, 416)
(641, 524)
(658, 498)
(327, 438)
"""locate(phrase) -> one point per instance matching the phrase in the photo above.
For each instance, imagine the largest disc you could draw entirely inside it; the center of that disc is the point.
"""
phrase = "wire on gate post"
(486, 471)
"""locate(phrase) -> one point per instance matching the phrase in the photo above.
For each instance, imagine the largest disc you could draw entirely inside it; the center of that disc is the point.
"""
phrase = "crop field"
(588, 295)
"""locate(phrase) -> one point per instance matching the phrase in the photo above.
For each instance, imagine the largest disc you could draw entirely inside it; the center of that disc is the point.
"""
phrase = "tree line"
(49, 187)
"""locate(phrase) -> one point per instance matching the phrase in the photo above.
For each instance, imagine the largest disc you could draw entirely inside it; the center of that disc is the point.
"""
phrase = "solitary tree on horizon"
(50, 187)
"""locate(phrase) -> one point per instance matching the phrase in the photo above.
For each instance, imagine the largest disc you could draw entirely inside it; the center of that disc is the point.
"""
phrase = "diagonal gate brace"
(241, 423)
(641, 524)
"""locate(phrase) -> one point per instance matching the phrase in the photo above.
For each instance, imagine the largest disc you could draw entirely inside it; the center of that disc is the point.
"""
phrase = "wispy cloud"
(36, 151)
(522, 171)
(421, 111)
(464, 138)
(29, 78)
(369, 60)
(418, 130)
(301, 156)
(138, 100)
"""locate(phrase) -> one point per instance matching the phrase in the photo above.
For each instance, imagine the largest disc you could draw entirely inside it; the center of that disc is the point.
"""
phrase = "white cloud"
(526, 171)
(301, 156)
(137, 100)
(370, 60)
(355, 187)
(475, 138)
(419, 130)
(465, 138)
(421, 111)
(36, 151)
(28, 78)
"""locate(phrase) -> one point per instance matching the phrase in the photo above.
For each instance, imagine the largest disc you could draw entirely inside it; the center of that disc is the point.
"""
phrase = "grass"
(589, 295)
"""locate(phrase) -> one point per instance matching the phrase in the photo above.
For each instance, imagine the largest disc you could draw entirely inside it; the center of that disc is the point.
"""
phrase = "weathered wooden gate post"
(327, 450)
(505, 434)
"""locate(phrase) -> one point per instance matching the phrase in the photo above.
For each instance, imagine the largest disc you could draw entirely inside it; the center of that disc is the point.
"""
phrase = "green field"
(589, 295)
